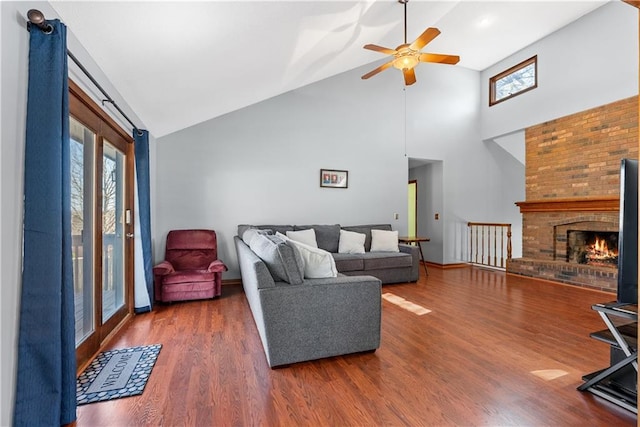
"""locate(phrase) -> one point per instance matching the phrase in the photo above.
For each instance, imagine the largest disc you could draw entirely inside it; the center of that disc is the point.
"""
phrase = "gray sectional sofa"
(300, 319)
(389, 267)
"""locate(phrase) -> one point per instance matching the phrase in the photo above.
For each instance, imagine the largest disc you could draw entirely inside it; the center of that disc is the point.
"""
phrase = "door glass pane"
(82, 202)
(113, 236)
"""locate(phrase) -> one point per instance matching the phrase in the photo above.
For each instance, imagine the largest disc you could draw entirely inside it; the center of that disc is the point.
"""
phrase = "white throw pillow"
(384, 241)
(351, 242)
(308, 237)
(318, 263)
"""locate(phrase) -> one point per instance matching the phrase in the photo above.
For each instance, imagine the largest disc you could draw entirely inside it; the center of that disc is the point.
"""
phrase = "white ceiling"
(180, 63)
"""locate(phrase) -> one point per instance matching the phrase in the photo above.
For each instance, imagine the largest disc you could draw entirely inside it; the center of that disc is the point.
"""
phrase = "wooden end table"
(415, 240)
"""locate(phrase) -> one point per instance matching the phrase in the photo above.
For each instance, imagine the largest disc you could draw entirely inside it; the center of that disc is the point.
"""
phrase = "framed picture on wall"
(332, 178)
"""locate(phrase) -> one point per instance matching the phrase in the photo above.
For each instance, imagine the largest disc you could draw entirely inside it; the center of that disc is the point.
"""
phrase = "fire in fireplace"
(598, 248)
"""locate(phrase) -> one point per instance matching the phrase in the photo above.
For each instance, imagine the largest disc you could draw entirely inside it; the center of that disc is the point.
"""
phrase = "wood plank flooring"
(468, 362)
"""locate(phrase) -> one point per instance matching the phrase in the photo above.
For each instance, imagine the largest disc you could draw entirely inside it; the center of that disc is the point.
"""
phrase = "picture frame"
(333, 178)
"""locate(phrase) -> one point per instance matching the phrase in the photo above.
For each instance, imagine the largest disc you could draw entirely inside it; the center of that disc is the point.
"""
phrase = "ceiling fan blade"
(409, 76)
(377, 70)
(428, 35)
(441, 59)
(377, 48)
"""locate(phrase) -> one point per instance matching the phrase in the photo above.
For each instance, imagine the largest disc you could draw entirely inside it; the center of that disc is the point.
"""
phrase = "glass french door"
(101, 199)
(113, 229)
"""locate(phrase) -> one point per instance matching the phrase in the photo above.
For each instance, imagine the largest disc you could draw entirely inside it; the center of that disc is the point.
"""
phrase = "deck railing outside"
(489, 244)
(83, 301)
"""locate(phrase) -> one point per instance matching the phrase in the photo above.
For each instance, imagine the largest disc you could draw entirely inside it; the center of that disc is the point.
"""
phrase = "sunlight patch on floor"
(407, 305)
(549, 374)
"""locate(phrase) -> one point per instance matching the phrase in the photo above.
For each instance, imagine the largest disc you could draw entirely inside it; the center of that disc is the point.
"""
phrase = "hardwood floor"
(468, 362)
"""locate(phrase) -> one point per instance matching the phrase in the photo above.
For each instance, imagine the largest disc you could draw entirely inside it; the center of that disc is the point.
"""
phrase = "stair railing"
(489, 244)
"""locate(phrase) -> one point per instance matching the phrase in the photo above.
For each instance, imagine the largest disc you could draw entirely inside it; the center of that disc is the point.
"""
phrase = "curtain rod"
(37, 18)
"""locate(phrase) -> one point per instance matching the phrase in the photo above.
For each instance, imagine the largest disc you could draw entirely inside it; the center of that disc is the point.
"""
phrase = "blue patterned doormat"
(117, 373)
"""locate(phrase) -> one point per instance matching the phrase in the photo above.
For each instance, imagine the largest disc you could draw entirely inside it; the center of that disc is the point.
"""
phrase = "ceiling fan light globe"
(405, 62)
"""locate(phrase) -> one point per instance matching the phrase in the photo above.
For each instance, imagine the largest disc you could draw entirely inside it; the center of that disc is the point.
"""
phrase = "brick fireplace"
(572, 194)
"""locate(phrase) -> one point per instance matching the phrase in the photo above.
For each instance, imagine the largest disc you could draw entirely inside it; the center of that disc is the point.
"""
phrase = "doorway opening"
(412, 208)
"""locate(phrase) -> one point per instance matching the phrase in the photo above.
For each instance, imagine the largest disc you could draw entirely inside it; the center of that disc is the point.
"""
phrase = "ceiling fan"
(407, 56)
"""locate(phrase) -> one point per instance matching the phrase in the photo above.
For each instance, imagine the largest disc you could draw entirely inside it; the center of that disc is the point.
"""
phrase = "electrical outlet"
(437, 216)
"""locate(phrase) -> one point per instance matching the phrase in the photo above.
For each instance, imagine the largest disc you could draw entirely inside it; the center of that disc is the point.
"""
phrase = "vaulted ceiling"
(180, 63)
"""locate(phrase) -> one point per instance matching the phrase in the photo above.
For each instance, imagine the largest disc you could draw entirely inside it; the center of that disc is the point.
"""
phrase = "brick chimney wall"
(572, 178)
(579, 155)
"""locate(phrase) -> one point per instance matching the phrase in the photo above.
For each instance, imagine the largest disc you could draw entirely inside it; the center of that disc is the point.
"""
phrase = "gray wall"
(444, 126)
(591, 62)
(13, 101)
(261, 164)
(13, 95)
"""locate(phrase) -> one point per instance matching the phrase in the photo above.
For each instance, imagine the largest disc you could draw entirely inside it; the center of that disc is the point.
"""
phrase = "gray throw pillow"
(284, 262)
(248, 235)
(275, 228)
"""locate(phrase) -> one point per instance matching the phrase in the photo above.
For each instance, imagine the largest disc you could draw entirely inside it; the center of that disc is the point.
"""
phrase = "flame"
(601, 246)
(600, 250)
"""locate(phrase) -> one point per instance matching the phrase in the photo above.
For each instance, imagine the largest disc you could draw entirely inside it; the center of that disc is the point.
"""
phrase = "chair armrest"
(217, 266)
(163, 268)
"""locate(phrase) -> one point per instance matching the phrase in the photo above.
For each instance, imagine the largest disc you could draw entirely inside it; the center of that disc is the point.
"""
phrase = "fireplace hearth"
(560, 243)
(597, 248)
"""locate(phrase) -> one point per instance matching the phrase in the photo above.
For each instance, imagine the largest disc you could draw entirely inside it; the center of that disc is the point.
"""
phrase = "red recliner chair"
(191, 269)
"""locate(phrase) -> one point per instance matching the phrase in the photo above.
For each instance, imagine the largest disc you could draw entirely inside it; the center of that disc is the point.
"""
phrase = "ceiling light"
(484, 22)
(406, 58)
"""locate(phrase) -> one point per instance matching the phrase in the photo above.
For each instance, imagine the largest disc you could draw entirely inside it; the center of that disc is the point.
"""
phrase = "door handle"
(129, 235)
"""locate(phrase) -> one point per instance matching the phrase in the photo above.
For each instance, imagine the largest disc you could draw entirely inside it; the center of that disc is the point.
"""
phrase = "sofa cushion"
(384, 241)
(308, 237)
(318, 263)
(366, 229)
(351, 242)
(383, 260)
(188, 276)
(283, 261)
(327, 236)
(349, 262)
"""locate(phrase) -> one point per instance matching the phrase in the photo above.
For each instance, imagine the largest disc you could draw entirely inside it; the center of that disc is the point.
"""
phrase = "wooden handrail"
(487, 243)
